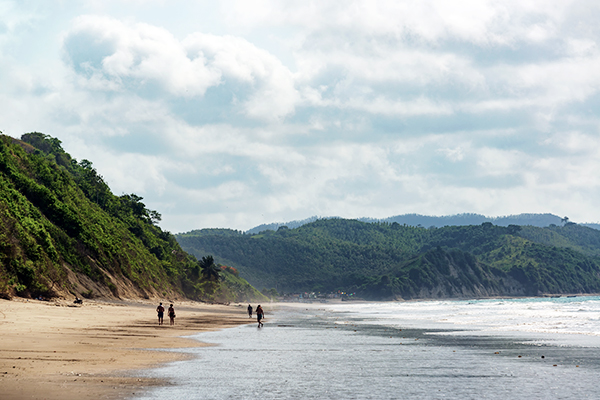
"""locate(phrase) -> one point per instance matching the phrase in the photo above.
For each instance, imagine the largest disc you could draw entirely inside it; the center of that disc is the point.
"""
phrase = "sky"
(231, 114)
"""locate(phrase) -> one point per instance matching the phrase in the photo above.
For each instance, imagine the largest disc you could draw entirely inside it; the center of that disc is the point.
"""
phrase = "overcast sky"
(236, 113)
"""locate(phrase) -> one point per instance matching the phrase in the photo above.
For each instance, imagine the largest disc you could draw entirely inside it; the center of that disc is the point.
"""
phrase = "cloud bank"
(284, 110)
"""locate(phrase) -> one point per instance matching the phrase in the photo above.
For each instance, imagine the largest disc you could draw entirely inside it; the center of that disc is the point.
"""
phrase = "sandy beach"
(56, 350)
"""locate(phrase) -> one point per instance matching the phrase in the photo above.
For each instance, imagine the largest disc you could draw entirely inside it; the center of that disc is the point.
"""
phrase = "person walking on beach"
(171, 313)
(161, 311)
(260, 314)
(249, 311)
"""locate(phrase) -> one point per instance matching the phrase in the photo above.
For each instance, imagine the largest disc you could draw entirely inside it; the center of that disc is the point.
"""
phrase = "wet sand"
(56, 350)
(315, 352)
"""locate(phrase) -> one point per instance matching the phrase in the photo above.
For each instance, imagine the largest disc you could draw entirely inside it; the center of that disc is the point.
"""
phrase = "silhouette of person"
(249, 311)
(161, 311)
(260, 314)
(171, 313)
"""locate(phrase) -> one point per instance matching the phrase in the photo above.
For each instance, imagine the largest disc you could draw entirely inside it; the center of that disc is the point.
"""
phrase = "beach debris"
(543, 357)
(520, 356)
(497, 352)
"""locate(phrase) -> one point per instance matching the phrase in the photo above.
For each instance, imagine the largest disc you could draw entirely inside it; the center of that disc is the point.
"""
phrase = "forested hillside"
(63, 233)
(389, 260)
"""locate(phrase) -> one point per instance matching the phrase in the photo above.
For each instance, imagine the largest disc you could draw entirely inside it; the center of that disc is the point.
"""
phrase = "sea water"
(487, 349)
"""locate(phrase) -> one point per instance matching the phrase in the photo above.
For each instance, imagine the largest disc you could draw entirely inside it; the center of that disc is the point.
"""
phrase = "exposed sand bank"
(54, 350)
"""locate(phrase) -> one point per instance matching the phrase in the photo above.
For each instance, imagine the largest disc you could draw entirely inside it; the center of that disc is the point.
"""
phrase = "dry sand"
(56, 350)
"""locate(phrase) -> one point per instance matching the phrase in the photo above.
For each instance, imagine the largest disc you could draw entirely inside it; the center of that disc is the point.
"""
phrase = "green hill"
(63, 233)
(383, 260)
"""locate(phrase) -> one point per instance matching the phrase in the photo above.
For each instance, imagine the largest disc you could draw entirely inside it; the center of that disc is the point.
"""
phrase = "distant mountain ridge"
(426, 221)
(276, 225)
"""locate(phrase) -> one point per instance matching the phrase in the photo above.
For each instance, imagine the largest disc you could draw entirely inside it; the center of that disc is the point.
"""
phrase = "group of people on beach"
(161, 312)
(260, 314)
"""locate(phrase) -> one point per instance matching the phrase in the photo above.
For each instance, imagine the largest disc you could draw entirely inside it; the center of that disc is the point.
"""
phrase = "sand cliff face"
(121, 287)
(493, 287)
(438, 274)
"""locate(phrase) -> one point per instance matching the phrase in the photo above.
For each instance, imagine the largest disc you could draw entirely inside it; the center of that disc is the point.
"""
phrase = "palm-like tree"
(210, 270)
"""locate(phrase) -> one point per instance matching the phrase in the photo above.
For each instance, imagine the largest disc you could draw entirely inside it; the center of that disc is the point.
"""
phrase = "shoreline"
(369, 355)
(59, 350)
(361, 301)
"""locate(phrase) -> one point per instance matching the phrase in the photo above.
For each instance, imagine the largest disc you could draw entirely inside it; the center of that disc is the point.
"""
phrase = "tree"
(133, 203)
(565, 220)
(272, 293)
(46, 143)
(210, 270)
(155, 216)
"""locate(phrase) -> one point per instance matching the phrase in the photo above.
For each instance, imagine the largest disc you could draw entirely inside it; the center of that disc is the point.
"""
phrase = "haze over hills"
(385, 260)
(540, 220)
(63, 233)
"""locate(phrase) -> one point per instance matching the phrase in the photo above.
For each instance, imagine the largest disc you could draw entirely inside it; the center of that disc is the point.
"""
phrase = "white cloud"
(13, 18)
(496, 162)
(115, 56)
(281, 110)
(475, 21)
(274, 93)
(110, 50)
(453, 154)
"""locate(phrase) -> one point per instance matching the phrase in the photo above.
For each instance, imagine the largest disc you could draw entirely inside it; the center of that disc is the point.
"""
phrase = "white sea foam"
(578, 316)
(369, 351)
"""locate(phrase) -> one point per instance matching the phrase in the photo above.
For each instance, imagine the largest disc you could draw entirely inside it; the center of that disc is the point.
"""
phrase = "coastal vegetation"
(389, 260)
(64, 233)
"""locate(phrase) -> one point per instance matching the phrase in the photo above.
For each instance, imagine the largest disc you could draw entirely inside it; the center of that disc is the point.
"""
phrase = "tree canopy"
(389, 260)
(63, 232)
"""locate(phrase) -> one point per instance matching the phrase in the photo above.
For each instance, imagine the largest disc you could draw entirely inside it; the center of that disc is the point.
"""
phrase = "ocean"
(538, 348)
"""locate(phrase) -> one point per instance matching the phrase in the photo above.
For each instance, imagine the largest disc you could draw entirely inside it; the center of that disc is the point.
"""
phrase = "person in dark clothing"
(161, 312)
(260, 314)
(249, 311)
(171, 312)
